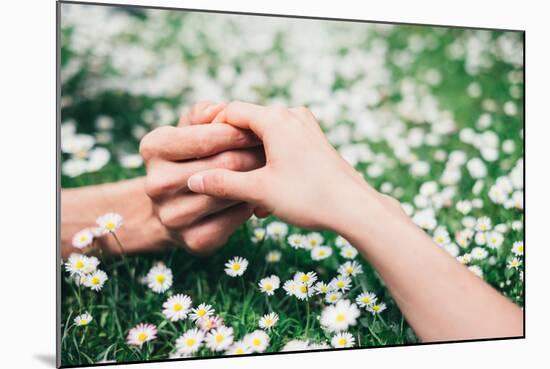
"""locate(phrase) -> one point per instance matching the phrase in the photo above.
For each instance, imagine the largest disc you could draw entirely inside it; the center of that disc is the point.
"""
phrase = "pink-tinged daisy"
(141, 333)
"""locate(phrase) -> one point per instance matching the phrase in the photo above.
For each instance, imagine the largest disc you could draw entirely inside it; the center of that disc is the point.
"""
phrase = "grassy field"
(431, 116)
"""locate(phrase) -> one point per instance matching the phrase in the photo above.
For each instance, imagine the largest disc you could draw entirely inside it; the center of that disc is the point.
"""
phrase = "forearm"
(141, 231)
(439, 297)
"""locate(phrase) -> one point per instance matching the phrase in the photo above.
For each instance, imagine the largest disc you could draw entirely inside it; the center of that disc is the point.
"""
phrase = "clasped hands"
(224, 162)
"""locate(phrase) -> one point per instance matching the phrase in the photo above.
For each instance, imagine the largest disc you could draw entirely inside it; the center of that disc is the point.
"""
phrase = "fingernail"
(195, 183)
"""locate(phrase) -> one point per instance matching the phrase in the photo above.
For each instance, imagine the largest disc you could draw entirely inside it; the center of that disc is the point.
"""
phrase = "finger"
(228, 184)
(212, 232)
(184, 209)
(167, 177)
(195, 141)
(203, 112)
(252, 116)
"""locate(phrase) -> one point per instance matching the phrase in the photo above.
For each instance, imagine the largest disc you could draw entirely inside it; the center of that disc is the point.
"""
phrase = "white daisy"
(342, 339)
(81, 264)
(258, 235)
(479, 253)
(268, 321)
(483, 224)
(341, 242)
(480, 238)
(340, 316)
(321, 287)
(296, 241)
(333, 297)
(313, 240)
(303, 291)
(141, 333)
(494, 239)
(365, 299)
(239, 348)
(83, 319)
(348, 252)
(476, 270)
(291, 286)
(201, 311)
(269, 284)
(273, 256)
(350, 268)
(514, 263)
(110, 222)
(517, 248)
(308, 278)
(176, 307)
(464, 259)
(257, 340)
(96, 280)
(160, 278)
(219, 339)
(236, 266)
(441, 236)
(190, 342)
(341, 283)
(321, 252)
(83, 238)
(376, 308)
(277, 230)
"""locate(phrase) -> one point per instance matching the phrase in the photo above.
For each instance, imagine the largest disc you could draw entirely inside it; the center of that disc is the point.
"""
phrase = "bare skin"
(305, 182)
(158, 209)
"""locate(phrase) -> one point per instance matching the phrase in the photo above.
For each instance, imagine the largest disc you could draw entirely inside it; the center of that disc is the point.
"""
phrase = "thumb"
(227, 184)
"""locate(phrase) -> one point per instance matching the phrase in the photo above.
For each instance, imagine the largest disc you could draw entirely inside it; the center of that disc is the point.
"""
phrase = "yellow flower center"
(333, 297)
(303, 289)
(520, 248)
(79, 264)
(340, 317)
(268, 286)
(349, 270)
(376, 307)
(96, 280)
(305, 278)
(83, 322)
(219, 338)
(342, 341)
(83, 238)
(239, 351)
(313, 243)
(366, 300)
(190, 342)
(142, 336)
(322, 253)
(160, 278)
(201, 312)
(256, 342)
(110, 226)
(340, 284)
(177, 307)
(268, 321)
(236, 267)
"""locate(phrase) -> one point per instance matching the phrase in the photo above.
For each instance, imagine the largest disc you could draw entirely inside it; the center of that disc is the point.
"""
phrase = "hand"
(304, 182)
(172, 154)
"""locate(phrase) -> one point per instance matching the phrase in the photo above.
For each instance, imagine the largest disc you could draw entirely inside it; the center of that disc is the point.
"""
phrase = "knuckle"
(217, 184)
(156, 185)
(280, 113)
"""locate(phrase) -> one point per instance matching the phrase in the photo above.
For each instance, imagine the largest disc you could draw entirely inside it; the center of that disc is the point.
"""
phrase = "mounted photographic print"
(239, 184)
